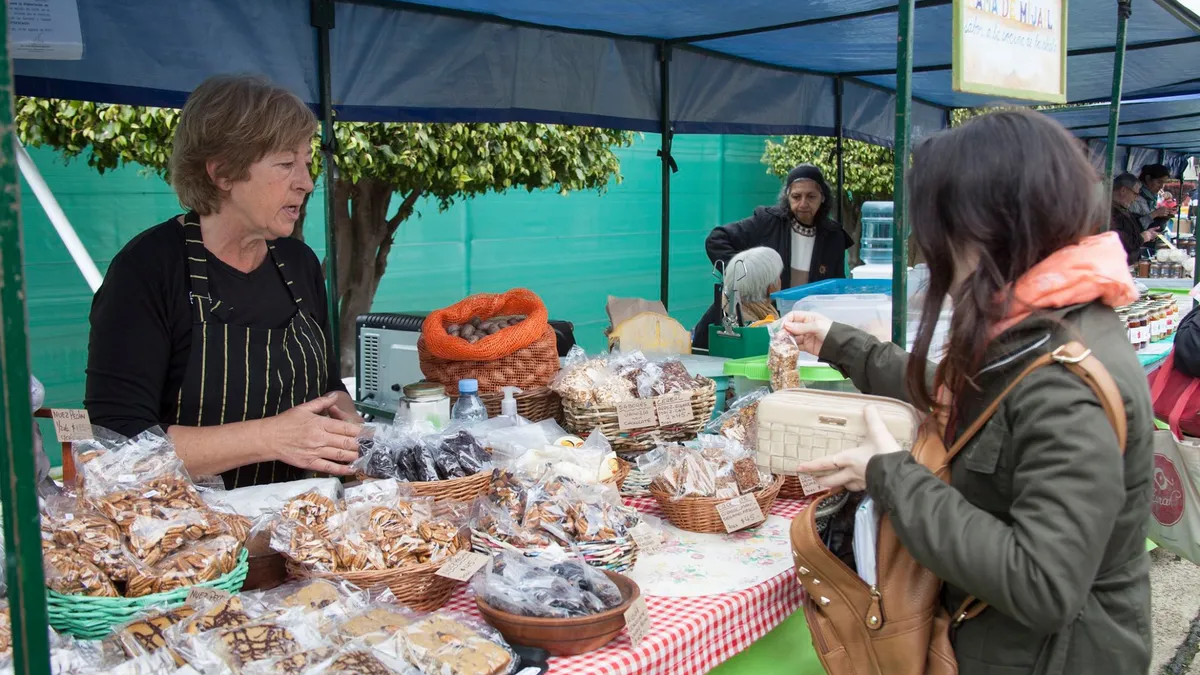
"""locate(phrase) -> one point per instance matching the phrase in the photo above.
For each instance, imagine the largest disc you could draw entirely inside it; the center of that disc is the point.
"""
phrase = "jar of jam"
(1155, 270)
(1143, 269)
(1141, 328)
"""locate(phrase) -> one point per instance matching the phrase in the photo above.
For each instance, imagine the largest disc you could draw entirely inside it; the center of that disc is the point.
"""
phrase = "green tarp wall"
(573, 250)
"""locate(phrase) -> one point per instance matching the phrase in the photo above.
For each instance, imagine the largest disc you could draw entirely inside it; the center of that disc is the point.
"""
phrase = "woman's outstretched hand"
(809, 329)
(848, 468)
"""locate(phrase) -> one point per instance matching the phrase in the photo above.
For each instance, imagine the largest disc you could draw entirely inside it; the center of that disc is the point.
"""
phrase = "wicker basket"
(417, 586)
(91, 618)
(457, 489)
(791, 488)
(535, 405)
(618, 479)
(617, 555)
(584, 420)
(699, 514)
(528, 367)
(636, 484)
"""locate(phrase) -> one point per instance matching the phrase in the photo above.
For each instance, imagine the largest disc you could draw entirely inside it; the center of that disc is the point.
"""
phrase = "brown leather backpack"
(898, 626)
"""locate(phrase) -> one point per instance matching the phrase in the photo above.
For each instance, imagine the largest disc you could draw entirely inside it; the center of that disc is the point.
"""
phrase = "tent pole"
(904, 56)
(664, 78)
(323, 20)
(1124, 10)
(839, 133)
(18, 471)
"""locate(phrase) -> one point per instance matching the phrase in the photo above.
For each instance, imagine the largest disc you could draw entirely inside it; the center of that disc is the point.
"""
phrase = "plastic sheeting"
(581, 63)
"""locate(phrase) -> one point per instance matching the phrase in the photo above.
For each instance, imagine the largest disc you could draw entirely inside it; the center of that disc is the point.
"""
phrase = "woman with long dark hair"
(1044, 517)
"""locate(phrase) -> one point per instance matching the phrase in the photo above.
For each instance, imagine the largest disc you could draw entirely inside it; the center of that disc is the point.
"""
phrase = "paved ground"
(1175, 595)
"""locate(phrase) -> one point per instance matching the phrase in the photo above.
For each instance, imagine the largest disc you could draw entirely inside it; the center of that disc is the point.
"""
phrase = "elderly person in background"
(213, 324)
(1125, 193)
(811, 244)
(750, 278)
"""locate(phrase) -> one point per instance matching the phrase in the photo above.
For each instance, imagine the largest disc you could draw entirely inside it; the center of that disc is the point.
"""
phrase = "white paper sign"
(648, 541)
(637, 414)
(637, 621)
(44, 29)
(675, 409)
(1012, 49)
(71, 424)
(463, 565)
(740, 513)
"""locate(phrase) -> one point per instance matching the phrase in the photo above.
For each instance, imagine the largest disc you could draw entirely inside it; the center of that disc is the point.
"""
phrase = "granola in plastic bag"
(783, 358)
(740, 421)
(716, 467)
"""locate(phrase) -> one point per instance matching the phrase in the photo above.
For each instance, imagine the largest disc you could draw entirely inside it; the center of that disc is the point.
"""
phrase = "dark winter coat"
(1044, 518)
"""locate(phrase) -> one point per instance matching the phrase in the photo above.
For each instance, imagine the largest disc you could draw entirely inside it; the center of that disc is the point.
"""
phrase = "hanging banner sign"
(1011, 48)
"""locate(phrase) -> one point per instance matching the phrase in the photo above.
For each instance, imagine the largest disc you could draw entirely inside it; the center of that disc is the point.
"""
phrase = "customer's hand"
(1150, 235)
(809, 329)
(848, 468)
(1161, 212)
(308, 438)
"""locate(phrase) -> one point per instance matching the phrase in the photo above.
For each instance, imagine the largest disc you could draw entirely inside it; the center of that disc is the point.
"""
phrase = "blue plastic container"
(876, 245)
(786, 298)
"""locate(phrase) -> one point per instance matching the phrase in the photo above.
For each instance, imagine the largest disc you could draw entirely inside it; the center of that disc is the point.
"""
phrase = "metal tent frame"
(702, 66)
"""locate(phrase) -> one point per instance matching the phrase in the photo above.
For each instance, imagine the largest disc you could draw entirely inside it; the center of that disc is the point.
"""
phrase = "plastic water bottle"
(876, 245)
(469, 407)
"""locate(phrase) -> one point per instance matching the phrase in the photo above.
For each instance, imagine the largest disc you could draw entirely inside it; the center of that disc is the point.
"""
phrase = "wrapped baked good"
(300, 663)
(304, 546)
(72, 524)
(69, 573)
(311, 509)
(555, 505)
(449, 644)
(196, 563)
(555, 586)
(258, 641)
(783, 358)
(740, 422)
(358, 661)
(148, 634)
(373, 624)
(717, 467)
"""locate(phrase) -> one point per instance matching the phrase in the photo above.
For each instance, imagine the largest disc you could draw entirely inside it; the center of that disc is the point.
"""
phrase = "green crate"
(749, 342)
(91, 618)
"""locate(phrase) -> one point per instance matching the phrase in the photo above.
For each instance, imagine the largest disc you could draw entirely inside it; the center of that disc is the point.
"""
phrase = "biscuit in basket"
(69, 574)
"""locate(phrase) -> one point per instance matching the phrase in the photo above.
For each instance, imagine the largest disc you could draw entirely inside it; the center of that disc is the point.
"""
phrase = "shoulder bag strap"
(1079, 360)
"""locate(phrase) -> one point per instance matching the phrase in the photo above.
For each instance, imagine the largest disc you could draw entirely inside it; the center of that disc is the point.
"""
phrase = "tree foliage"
(445, 162)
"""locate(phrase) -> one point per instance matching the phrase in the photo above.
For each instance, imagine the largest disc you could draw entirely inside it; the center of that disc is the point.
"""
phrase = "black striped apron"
(235, 373)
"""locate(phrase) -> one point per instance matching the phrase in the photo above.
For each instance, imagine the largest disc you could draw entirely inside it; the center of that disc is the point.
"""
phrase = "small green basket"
(92, 618)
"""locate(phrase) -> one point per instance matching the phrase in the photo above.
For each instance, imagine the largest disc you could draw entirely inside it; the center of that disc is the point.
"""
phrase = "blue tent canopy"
(755, 66)
(1159, 130)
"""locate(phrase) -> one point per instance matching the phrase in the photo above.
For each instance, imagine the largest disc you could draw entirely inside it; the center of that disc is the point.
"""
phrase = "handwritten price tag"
(636, 415)
(648, 541)
(740, 513)
(637, 621)
(71, 424)
(202, 594)
(808, 484)
(675, 409)
(463, 565)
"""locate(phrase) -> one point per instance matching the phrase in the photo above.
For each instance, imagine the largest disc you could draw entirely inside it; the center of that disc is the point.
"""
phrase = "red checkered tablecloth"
(688, 635)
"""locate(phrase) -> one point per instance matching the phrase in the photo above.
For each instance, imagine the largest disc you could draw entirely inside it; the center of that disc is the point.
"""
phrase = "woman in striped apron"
(212, 325)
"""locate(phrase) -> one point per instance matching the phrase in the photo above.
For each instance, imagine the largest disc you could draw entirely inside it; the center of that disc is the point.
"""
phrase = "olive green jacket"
(1043, 518)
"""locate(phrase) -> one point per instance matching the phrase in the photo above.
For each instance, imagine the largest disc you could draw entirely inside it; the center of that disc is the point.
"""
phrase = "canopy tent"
(756, 66)
(1164, 130)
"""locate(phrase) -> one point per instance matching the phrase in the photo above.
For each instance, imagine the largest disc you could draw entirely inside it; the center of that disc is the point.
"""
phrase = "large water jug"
(876, 245)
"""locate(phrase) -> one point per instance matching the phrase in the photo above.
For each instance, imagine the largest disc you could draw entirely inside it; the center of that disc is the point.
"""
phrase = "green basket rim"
(93, 617)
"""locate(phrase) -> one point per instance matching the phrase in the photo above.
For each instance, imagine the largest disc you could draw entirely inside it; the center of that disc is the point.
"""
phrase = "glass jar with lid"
(425, 401)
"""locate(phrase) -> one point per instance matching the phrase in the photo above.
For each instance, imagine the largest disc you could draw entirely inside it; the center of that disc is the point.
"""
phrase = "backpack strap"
(1079, 360)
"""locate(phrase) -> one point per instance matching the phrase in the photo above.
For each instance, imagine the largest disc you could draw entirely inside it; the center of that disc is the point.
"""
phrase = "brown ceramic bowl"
(564, 637)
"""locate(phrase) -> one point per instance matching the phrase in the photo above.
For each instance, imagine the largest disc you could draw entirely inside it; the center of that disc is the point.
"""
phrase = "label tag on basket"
(205, 594)
(808, 484)
(463, 565)
(637, 621)
(648, 541)
(675, 409)
(71, 424)
(637, 414)
(740, 513)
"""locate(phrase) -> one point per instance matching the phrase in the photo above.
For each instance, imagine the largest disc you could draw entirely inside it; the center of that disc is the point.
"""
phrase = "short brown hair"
(235, 121)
